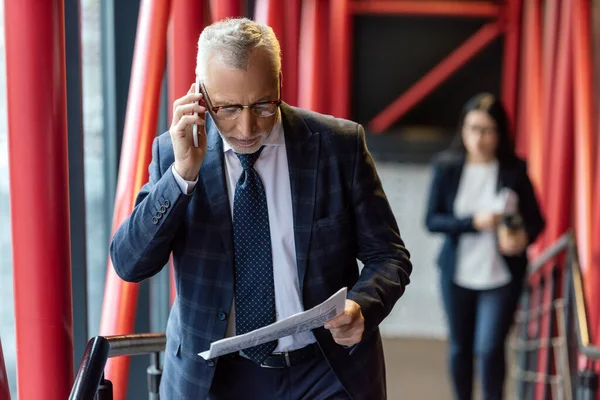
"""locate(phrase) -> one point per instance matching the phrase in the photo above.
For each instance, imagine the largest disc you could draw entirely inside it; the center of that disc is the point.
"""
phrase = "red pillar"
(185, 26)
(221, 9)
(120, 298)
(39, 191)
(291, 43)
(510, 69)
(559, 192)
(339, 57)
(314, 85)
(4, 390)
(270, 12)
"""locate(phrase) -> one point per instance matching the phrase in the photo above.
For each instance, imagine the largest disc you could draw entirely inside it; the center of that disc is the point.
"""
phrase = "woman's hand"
(486, 221)
(511, 242)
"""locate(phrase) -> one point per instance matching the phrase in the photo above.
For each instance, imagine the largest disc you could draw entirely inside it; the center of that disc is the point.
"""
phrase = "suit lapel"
(214, 181)
(302, 147)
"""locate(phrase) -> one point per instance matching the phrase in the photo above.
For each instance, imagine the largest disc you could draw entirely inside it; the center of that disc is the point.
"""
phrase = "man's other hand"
(348, 327)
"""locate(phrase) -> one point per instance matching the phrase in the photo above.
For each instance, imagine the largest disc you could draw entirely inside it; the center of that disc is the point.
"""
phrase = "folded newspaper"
(304, 321)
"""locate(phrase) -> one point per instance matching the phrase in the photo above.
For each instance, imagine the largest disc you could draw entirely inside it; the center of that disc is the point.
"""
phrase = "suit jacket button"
(154, 220)
(210, 363)
(222, 315)
(158, 215)
(163, 209)
(167, 203)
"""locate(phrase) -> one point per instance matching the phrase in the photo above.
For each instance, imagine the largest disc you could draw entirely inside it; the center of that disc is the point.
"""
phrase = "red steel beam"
(314, 45)
(560, 135)
(473, 9)
(270, 12)
(510, 69)
(39, 197)
(221, 9)
(291, 47)
(339, 57)
(185, 26)
(120, 298)
(584, 138)
(4, 389)
(551, 26)
(531, 133)
(478, 41)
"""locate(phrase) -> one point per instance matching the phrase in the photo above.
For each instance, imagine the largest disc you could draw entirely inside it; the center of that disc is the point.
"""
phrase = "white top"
(479, 264)
(272, 167)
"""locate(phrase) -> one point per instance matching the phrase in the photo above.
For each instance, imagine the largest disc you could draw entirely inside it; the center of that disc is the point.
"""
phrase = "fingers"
(188, 120)
(186, 109)
(348, 335)
(339, 321)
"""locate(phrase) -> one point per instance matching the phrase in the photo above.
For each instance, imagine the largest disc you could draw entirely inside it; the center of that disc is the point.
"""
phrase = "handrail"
(100, 348)
(568, 242)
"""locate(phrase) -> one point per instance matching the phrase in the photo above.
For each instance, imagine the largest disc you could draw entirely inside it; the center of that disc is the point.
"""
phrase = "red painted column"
(314, 85)
(584, 146)
(4, 389)
(120, 298)
(559, 192)
(339, 57)
(39, 197)
(291, 43)
(270, 12)
(221, 9)
(510, 69)
(185, 26)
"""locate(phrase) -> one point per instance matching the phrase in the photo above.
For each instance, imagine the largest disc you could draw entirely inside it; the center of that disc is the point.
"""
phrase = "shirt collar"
(276, 137)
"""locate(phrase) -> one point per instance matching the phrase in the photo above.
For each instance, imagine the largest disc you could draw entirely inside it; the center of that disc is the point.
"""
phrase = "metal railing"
(90, 383)
(552, 327)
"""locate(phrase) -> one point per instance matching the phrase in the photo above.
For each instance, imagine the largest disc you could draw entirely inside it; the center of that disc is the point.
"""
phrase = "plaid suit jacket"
(341, 214)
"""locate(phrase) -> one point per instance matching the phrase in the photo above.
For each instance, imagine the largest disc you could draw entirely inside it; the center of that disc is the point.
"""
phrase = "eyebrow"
(227, 103)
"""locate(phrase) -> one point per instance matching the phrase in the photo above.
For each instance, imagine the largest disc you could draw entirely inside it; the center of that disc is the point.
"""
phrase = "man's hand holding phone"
(186, 112)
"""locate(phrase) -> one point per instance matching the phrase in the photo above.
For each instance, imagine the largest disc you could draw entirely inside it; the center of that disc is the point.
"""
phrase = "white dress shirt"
(272, 167)
(479, 264)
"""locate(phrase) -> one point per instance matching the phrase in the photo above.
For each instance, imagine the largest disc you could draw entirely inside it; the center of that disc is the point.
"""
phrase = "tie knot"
(248, 160)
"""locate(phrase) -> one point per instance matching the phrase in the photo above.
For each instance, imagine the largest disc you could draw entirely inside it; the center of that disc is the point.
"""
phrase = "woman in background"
(482, 200)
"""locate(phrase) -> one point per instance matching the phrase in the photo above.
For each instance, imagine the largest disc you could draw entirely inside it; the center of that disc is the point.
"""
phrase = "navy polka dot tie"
(254, 286)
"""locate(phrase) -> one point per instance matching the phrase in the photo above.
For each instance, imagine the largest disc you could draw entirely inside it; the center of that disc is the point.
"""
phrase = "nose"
(246, 122)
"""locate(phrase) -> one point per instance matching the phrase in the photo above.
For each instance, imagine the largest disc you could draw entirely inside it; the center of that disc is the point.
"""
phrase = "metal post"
(587, 385)
(39, 182)
(154, 375)
(76, 178)
(535, 354)
(105, 390)
(550, 326)
(522, 352)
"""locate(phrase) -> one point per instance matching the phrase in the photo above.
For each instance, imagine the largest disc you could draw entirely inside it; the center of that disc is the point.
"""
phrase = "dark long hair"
(505, 152)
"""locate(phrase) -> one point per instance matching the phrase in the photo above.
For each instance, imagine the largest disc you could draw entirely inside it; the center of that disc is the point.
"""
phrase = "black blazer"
(440, 216)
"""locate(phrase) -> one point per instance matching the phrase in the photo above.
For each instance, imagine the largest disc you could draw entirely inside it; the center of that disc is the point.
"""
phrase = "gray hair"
(233, 42)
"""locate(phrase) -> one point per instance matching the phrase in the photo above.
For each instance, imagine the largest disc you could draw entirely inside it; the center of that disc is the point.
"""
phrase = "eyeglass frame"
(241, 107)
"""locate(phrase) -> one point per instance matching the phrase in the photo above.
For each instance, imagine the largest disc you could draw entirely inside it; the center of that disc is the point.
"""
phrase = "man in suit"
(265, 218)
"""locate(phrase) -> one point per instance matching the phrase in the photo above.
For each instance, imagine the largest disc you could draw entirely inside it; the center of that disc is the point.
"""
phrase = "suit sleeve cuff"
(186, 186)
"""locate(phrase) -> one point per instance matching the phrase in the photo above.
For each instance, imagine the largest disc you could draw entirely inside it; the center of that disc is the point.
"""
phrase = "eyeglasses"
(261, 109)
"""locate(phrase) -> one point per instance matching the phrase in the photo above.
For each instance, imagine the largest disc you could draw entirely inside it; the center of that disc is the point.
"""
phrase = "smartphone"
(195, 126)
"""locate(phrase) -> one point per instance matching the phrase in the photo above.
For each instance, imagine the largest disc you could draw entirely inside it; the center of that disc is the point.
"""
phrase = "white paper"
(304, 321)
